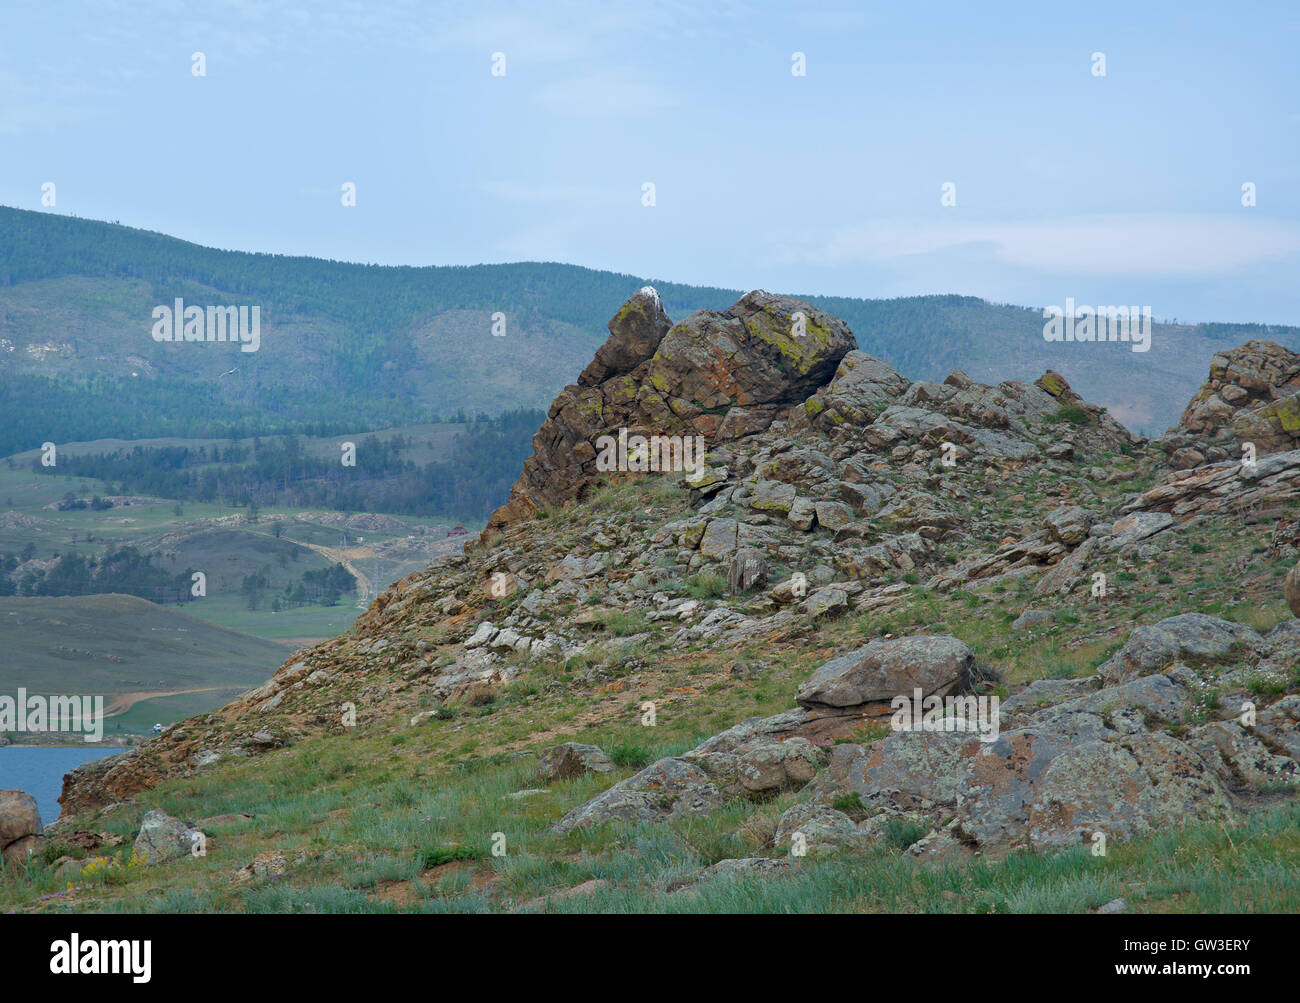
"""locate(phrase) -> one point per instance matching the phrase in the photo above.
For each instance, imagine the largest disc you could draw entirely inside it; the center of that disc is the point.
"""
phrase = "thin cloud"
(604, 94)
(1135, 244)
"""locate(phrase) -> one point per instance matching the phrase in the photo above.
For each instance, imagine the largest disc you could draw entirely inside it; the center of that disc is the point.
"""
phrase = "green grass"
(354, 825)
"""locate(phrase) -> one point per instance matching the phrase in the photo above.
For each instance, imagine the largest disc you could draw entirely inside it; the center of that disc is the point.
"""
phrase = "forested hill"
(343, 344)
(368, 298)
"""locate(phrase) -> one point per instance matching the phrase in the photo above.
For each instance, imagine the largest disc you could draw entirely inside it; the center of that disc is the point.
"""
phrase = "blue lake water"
(39, 770)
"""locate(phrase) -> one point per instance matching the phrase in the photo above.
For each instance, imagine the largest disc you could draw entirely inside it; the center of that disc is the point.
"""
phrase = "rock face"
(718, 375)
(1252, 395)
(20, 824)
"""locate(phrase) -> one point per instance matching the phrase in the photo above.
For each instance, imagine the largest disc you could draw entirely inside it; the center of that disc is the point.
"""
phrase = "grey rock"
(748, 570)
(719, 540)
(882, 670)
(1031, 618)
(823, 830)
(571, 759)
(767, 766)
(162, 838)
(833, 515)
(826, 602)
(772, 496)
(744, 867)
(665, 789)
(1067, 524)
(802, 513)
(1137, 526)
(1188, 635)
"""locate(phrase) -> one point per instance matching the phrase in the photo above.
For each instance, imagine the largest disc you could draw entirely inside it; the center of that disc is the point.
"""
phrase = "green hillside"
(125, 648)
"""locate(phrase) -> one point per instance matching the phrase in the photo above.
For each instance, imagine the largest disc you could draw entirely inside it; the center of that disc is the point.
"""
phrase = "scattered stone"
(572, 759)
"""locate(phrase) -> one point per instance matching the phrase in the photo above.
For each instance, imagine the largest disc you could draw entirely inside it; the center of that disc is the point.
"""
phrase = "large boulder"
(861, 389)
(20, 824)
(882, 670)
(634, 334)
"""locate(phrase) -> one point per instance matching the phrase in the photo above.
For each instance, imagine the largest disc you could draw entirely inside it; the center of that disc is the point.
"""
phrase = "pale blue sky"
(1122, 189)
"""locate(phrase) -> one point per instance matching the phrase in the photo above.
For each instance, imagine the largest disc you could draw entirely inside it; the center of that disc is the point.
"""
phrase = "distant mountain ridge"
(390, 345)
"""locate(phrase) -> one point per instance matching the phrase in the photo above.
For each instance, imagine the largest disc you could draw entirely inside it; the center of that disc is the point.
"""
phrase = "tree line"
(484, 460)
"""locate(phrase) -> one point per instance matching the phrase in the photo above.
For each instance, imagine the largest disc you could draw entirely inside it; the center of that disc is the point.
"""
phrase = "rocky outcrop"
(833, 487)
(1226, 487)
(1187, 636)
(718, 375)
(1068, 761)
(1252, 395)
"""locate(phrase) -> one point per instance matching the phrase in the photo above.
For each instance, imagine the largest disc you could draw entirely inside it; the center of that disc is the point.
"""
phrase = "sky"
(1121, 188)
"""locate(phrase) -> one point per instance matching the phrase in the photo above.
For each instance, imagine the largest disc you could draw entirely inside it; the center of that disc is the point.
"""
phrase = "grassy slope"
(395, 818)
(113, 645)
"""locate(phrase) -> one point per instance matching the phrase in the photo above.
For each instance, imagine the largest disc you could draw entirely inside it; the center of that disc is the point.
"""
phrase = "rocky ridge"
(832, 487)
